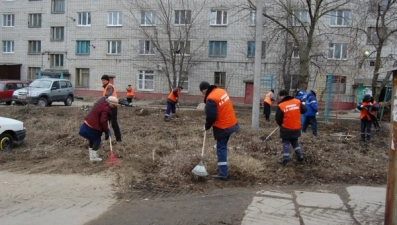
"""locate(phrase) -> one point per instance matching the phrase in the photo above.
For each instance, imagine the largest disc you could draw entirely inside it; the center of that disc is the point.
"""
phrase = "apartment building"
(139, 43)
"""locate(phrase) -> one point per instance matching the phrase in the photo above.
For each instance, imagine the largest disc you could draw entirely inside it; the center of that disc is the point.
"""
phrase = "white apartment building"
(128, 40)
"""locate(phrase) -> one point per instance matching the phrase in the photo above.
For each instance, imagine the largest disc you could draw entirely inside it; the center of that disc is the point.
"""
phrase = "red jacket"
(99, 116)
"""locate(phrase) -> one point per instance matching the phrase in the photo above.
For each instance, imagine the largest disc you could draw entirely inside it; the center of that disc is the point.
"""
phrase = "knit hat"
(367, 98)
(272, 90)
(105, 77)
(283, 93)
(204, 85)
(113, 100)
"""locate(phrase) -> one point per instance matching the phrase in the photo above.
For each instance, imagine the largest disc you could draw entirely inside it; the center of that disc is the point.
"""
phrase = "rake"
(199, 169)
(270, 135)
(112, 160)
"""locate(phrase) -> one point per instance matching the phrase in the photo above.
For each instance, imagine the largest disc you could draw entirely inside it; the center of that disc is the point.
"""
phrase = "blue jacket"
(311, 104)
(301, 95)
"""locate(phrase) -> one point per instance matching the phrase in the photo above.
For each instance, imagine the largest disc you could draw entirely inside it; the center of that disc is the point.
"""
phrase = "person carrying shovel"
(95, 123)
(220, 116)
(368, 106)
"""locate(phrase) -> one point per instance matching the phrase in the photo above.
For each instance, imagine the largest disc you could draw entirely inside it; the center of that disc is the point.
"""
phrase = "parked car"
(12, 132)
(45, 91)
(7, 87)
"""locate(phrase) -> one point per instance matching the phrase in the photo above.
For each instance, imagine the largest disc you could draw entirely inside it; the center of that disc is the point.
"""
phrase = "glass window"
(300, 18)
(115, 19)
(182, 47)
(293, 50)
(34, 47)
(8, 20)
(57, 33)
(372, 36)
(218, 17)
(8, 46)
(339, 18)
(148, 18)
(220, 79)
(338, 84)
(56, 60)
(146, 47)
(251, 49)
(83, 47)
(35, 20)
(182, 17)
(82, 77)
(218, 48)
(84, 19)
(114, 47)
(33, 73)
(146, 80)
(337, 51)
(58, 6)
(252, 18)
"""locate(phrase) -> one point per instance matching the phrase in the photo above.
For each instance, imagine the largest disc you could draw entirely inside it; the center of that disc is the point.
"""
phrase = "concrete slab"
(315, 216)
(321, 200)
(368, 203)
(275, 194)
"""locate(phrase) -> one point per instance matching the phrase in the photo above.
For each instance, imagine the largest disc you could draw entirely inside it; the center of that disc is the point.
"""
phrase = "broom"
(200, 170)
(112, 160)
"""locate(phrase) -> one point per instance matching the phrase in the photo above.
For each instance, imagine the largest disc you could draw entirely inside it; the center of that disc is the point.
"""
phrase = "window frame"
(8, 20)
(335, 16)
(83, 47)
(82, 78)
(146, 50)
(372, 36)
(33, 48)
(340, 48)
(34, 22)
(118, 19)
(8, 46)
(55, 33)
(33, 73)
(84, 19)
(296, 20)
(184, 50)
(143, 81)
(58, 6)
(251, 49)
(213, 48)
(295, 50)
(182, 17)
(214, 17)
(117, 48)
(146, 20)
(57, 60)
(252, 18)
(335, 81)
(220, 79)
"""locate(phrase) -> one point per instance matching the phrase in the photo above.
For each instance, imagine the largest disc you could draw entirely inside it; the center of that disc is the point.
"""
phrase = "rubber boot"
(94, 154)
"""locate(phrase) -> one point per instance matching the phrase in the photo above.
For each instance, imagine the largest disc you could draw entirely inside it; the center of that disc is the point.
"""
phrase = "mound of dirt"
(158, 156)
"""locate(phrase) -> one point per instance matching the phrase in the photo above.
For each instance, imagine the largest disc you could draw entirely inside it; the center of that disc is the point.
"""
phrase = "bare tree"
(300, 19)
(168, 29)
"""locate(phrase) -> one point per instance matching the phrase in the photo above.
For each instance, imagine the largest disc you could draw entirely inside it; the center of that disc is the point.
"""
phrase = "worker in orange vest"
(110, 90)
(268, 101)
(368, 106)
(130, 94)
(172, 100)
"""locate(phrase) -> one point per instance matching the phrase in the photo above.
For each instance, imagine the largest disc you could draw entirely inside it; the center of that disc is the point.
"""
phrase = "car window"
(19, 86)
(41, 84)
(55, 84)
(64, 84)
(69, 84)
(9, 87)
(2, 86)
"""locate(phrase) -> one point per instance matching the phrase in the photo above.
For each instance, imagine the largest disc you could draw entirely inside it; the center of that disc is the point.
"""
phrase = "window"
(84, 19)
(300, 18)
(218, 17)
(114, 47)
(372, 36)
(146, 80)
(218, 48)
(184, 83)
(115, 19)
(57, 6)
(82, 78)
(340, 18)
(148, 18)
(182, 17)
(146, 47)
(182, 47)
(294, 81)
(34, 20)
(8, 20)
(252, 18)
(376, 3)
(83, 47)
(57, 33)
(56, 60)
(337, 51)
(34, 47)
(220, 79)
(251, 49)
(338, 83)
(33, 73)
(293, 50)
(8, 46)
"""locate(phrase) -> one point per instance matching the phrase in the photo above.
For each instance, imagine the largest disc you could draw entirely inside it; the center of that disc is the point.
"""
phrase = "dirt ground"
(157, 156)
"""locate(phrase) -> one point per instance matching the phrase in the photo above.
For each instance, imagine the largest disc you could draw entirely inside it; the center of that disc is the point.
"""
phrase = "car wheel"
(42, 102)
(8, 102)
(68, 101)
(6, 142)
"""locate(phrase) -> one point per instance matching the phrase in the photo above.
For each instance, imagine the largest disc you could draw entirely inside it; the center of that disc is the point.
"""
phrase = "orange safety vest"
(364, 112)
(226, 116)
(172, 96)
(292, 114)
(130, 92)
(114, 94)
(268, 98)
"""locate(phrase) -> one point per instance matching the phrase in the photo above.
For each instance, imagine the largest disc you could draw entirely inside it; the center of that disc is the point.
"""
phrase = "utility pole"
(258, 60)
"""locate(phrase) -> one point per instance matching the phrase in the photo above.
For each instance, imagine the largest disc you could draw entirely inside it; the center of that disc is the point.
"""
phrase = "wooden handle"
(110, 139)
(202, 150)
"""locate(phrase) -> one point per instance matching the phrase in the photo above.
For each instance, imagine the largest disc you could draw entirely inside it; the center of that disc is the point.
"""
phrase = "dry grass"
(159, 156)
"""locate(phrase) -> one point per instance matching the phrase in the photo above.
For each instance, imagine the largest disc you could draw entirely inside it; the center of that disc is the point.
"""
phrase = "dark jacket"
(311, 104)
(99, 116)
(211, 113)
(284, 132)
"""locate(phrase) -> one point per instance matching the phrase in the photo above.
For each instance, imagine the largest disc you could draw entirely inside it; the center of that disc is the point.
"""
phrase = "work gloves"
(110, 133)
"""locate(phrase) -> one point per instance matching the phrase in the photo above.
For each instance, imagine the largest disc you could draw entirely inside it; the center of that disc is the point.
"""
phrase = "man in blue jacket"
(312, 109)
(301, 95)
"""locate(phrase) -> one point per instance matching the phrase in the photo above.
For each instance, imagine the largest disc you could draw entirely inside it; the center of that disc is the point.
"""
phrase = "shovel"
(200, 170)
(270, 135)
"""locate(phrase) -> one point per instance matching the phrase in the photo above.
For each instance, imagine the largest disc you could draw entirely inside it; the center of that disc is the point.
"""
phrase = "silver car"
(45, 91)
